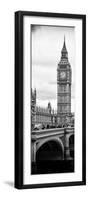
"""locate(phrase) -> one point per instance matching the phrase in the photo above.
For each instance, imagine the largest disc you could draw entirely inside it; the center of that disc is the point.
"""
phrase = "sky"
(47, 43)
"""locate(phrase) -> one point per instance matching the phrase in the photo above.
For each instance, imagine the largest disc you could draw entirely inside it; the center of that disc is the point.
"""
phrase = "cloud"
(43, 77)
(52, 82)
(47, 42)
(46, 94)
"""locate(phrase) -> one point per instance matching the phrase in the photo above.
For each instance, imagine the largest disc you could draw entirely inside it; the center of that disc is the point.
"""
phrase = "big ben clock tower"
(63, 88)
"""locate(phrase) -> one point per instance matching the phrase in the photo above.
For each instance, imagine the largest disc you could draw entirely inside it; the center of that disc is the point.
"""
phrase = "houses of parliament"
(48, 117)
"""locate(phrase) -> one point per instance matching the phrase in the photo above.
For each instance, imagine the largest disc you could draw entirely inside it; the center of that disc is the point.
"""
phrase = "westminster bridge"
(52, 144)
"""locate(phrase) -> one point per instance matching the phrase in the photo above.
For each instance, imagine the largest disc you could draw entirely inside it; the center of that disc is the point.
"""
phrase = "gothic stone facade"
(39, 115)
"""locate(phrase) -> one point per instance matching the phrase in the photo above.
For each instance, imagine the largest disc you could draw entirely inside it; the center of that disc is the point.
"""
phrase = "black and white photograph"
(50, 112)
(52, 99)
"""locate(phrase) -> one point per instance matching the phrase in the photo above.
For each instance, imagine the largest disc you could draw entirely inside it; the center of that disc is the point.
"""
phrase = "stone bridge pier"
(68, 133)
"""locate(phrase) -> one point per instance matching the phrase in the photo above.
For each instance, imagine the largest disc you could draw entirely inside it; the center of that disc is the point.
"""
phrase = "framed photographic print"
(50, 99)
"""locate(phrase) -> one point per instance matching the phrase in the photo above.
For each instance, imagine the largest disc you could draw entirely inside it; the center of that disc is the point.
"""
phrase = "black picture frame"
(19, 101)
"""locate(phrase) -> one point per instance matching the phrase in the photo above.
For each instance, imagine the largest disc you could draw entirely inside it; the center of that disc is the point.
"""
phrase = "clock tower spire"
(64, 53)
(63, 88)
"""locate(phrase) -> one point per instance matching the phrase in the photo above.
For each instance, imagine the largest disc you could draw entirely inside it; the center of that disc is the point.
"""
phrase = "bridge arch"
(50, 149)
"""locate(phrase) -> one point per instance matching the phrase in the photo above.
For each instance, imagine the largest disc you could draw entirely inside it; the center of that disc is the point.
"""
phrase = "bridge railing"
(49, 132)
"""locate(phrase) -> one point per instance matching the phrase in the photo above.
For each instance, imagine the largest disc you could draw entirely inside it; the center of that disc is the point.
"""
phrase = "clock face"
(63, 75)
